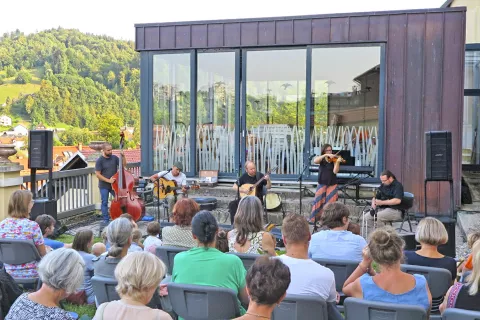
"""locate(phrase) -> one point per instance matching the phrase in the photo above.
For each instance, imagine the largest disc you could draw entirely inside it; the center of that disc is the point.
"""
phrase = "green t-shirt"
(209, 267)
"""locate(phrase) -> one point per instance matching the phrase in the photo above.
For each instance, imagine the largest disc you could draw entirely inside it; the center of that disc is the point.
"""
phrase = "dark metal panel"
(199, 36)
(232, 34)
(139, 38)
(321, 30)
(167, 37)
(378, 28)
(452, 107)
(215, 35)
(471, 92)
(339, 29)
(413, 124)
(266, 33)
(182, 37)
(152, 38)
(249, 33)
(432, 93)
(146, 112)
(302, 31)
(284, 32)
(358, 29)
(395, 95)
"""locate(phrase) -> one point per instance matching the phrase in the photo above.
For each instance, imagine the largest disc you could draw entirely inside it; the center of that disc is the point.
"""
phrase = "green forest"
(87, 84)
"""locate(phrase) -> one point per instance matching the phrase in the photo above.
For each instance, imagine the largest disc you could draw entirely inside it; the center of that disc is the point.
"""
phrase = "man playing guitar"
(179, 177)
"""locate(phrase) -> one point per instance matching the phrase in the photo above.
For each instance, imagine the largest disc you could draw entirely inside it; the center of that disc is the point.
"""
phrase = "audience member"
(82, 242)
(222, 241)
(267, 283)
(47, 226)
(136, 244)
(98, 249)
(308, 277)
(130, 218)
(205, 265)
(249, 235)
(138, 275)
(471, 239)
(61, 272)
(391, 284)
(19, 226)
(152, 241)
(336, 242)
(431, 233)
(180, 235)
(119, 235)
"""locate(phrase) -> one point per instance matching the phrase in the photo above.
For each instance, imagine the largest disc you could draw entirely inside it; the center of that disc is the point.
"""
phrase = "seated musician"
(179, 177)
(386, 203)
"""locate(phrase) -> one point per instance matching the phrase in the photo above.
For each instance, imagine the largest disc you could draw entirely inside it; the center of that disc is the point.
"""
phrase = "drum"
(272, 201)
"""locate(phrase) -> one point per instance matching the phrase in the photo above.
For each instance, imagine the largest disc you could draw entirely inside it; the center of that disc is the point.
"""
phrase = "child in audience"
(152, 241)
(136, 244)
(47, 226)
(130, 218)
(98, 249)
(468, 263)
(222, 241)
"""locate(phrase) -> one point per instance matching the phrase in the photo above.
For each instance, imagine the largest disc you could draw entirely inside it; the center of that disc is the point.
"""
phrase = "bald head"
(250, 168)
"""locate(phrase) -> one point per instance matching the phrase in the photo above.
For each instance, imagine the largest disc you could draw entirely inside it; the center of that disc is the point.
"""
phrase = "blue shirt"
(335, 244)
(87, 280)
(54, 244)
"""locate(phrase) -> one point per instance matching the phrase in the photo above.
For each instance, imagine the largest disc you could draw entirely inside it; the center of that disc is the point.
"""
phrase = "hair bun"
(382, 238)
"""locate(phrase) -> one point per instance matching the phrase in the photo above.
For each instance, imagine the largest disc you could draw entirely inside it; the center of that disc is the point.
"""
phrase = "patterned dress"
(254, 238)
(23, 229)
(25, 308)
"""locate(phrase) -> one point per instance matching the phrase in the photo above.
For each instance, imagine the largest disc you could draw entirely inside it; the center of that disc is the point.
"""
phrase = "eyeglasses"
(329, 150)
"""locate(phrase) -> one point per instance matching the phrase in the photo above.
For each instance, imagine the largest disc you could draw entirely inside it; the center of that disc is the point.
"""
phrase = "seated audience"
(82, 242)
(136, 245)
(61, 272)
(391, 284)
(180, 235)
(222, 241)
(138, 276)
(468, 264)
(267, 283)
(47, 226)
(9, 291)
(152, 241)
(249, 235)
(308, 277)
(19, 226)
(466, 295)
(119, 235)
(336, 242)
(98, 249)
(431, 233)
(205, 265)
(130, 218)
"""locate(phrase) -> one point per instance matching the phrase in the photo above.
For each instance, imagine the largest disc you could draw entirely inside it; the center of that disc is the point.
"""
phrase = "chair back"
(203, 302)
(460, 314)
(104, 289)
(407, 201)
(300, 307)
(16, 251)
(167, 255)
(342, 269)
(247, 258)
(359, 309)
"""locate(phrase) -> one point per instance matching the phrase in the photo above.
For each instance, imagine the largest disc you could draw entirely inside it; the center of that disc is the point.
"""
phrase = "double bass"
(126, 199)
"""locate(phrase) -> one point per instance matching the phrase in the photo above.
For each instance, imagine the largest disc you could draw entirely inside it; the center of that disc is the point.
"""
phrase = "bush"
(11, 72)
(23, 77)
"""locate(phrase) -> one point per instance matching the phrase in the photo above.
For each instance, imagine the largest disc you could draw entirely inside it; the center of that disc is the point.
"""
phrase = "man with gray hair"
(174, 174)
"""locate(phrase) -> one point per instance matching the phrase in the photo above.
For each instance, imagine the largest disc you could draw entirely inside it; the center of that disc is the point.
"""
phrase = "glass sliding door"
(275, 109)
(171, 111)
(471, 104)
(215, 131)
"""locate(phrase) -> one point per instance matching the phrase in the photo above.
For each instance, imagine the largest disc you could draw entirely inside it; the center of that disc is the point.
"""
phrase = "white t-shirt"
(151, 241)
(308, 278)
(181, 179)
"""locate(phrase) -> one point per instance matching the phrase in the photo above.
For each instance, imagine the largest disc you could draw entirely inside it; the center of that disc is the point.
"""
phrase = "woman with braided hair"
(206, 265)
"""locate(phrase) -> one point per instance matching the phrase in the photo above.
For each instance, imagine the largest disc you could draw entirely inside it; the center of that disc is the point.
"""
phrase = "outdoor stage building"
(273, 90)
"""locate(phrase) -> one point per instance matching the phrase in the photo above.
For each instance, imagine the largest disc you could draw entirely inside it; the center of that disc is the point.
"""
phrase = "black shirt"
(325, 173)
(465, 300)
(392, 191)
(107, 167)
(448, 263)
(245, 178)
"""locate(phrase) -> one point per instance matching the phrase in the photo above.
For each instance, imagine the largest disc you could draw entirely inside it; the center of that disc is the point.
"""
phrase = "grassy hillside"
(13, 90)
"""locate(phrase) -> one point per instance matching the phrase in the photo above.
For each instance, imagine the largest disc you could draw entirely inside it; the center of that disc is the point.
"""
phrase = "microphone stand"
(158, 196)
(300, 179)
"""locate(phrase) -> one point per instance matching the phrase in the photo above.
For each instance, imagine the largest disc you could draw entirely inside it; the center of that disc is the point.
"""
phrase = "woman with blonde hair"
(19, 226)
(466, 295)
(249, 235)
(138, 275)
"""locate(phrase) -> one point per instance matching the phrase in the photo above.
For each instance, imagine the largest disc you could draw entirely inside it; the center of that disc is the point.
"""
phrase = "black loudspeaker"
(439, 155)
(40, 149)
(448, 249)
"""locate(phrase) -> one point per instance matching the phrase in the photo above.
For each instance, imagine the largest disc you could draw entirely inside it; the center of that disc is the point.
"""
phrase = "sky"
(116, 18)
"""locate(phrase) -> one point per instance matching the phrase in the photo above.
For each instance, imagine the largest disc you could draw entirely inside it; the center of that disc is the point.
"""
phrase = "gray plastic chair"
(439, 281)
(295, 307)
(359, 309)
(167, 255)
(16, 251)
(247, 258)
(460, 314)
(194, 302)
(342, 269)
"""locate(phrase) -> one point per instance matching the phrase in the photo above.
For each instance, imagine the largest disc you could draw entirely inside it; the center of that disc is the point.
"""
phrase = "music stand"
(357, 180)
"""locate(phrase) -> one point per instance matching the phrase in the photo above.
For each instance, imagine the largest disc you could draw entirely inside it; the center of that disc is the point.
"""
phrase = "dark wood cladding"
(424, 61)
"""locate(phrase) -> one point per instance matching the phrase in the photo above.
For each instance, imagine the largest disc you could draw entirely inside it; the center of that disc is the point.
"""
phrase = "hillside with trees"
(85, 83)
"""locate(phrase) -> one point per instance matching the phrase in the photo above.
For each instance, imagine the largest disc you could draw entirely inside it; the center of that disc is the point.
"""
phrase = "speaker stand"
(452, 210)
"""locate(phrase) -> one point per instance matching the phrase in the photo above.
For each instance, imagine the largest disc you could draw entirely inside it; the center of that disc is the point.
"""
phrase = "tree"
(23, 77)
(109, 128)
(10, 70)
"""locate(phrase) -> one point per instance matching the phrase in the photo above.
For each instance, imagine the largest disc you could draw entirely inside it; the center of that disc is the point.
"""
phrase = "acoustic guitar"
(252, 188)
(169, 188)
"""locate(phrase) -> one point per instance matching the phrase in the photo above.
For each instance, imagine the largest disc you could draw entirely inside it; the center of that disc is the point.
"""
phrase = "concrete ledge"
(10, 182)
(11, 167)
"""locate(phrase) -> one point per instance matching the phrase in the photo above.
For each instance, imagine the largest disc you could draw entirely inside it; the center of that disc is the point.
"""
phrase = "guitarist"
(179, 177)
